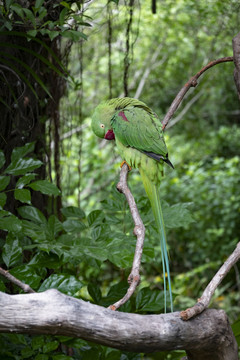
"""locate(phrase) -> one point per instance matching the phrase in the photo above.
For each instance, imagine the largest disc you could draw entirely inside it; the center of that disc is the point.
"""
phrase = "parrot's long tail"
(153, 195)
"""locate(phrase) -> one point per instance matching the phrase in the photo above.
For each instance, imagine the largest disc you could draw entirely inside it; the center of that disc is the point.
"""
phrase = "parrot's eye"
(102, 126)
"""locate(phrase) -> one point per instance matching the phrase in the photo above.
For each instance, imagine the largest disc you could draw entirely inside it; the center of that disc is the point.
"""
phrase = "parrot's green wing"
(139, 129)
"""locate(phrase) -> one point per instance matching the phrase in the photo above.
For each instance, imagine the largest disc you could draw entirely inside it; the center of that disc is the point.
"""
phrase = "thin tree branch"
(192, 82)
(26, 288)
(139, 231)
(205, 299)
(185, 109)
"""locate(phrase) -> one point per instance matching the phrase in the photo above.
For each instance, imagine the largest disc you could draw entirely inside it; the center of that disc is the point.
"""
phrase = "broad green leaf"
(54, 226)
(27, 352)
(38, 342)
(3, 199)
(2, 159)
(12, 252)
(74, 35)
(2, 286)
(95, 292)
(74, 212)
(30, 16)
(23, 195)
(32, 33)
(177, 215)
(28, 275)
(32, 213)
(71, 225)
(50, 346)
(35, 231)
(22, 166)
(95, 217)
(24, 180)
(65, 283)
(150, 300)
(45, 187)
(38, 3)
(20, 152)
(10, 223)
(4, 181)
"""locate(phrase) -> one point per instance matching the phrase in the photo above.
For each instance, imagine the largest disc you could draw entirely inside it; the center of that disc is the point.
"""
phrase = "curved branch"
(205, 299)
(192, 82)
(139, 231)
(208, 336)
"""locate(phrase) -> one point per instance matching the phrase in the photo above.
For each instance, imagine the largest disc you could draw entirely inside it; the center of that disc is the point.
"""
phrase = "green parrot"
(139, 138)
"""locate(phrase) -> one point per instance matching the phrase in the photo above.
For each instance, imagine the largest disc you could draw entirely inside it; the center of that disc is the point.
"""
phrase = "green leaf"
(177, 215)
(3, 199)
(24, 180)
(95, 217)
(71, 225)
(2, 159)
(28, 275)
(30, 16)
(38, 342)
(150, 300)
(50, 346)
(95, 292)
(65, 283)
(32, 33)
(4, 181)
(38, 3)
(74, 35)
(32, 213)
(10, 223)
(54, 226)
(27, 352)
(74, 212)
(23, 195)
(12, 252)
(45, 187)
(20, 152)
(22, 166)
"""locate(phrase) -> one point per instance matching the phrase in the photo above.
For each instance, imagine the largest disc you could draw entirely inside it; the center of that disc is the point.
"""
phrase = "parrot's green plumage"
(139, 139)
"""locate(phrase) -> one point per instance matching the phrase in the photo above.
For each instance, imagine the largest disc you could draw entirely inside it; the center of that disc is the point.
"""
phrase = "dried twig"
(205, 299)
(26, 288)
(191, 83)
(139, 231)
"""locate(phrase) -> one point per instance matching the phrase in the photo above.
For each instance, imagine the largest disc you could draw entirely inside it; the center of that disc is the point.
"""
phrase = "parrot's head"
(101, 121)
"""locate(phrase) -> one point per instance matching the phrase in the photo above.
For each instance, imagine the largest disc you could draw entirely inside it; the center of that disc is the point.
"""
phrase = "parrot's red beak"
(109, 135)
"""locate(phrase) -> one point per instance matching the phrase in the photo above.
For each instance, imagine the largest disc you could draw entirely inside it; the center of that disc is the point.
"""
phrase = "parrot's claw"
(124, 162)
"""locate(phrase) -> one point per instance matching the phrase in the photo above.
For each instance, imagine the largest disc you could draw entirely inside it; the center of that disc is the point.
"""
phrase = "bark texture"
(207, 336)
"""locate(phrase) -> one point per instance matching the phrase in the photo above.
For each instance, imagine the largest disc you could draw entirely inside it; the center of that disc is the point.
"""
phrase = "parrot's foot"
(124, 162)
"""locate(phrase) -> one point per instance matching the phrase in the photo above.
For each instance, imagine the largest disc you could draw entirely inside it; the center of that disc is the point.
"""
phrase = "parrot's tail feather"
(153, 195)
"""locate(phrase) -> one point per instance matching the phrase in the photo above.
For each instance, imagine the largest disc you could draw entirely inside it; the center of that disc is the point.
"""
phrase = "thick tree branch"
(139, 231)
(191, 83)
(206, 337)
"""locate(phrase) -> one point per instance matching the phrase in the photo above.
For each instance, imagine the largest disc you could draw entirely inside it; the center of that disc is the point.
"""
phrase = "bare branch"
(185, 109)
(139, 231)
(208, 336)
(205, 299)
(26, 288)
(192, 82)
